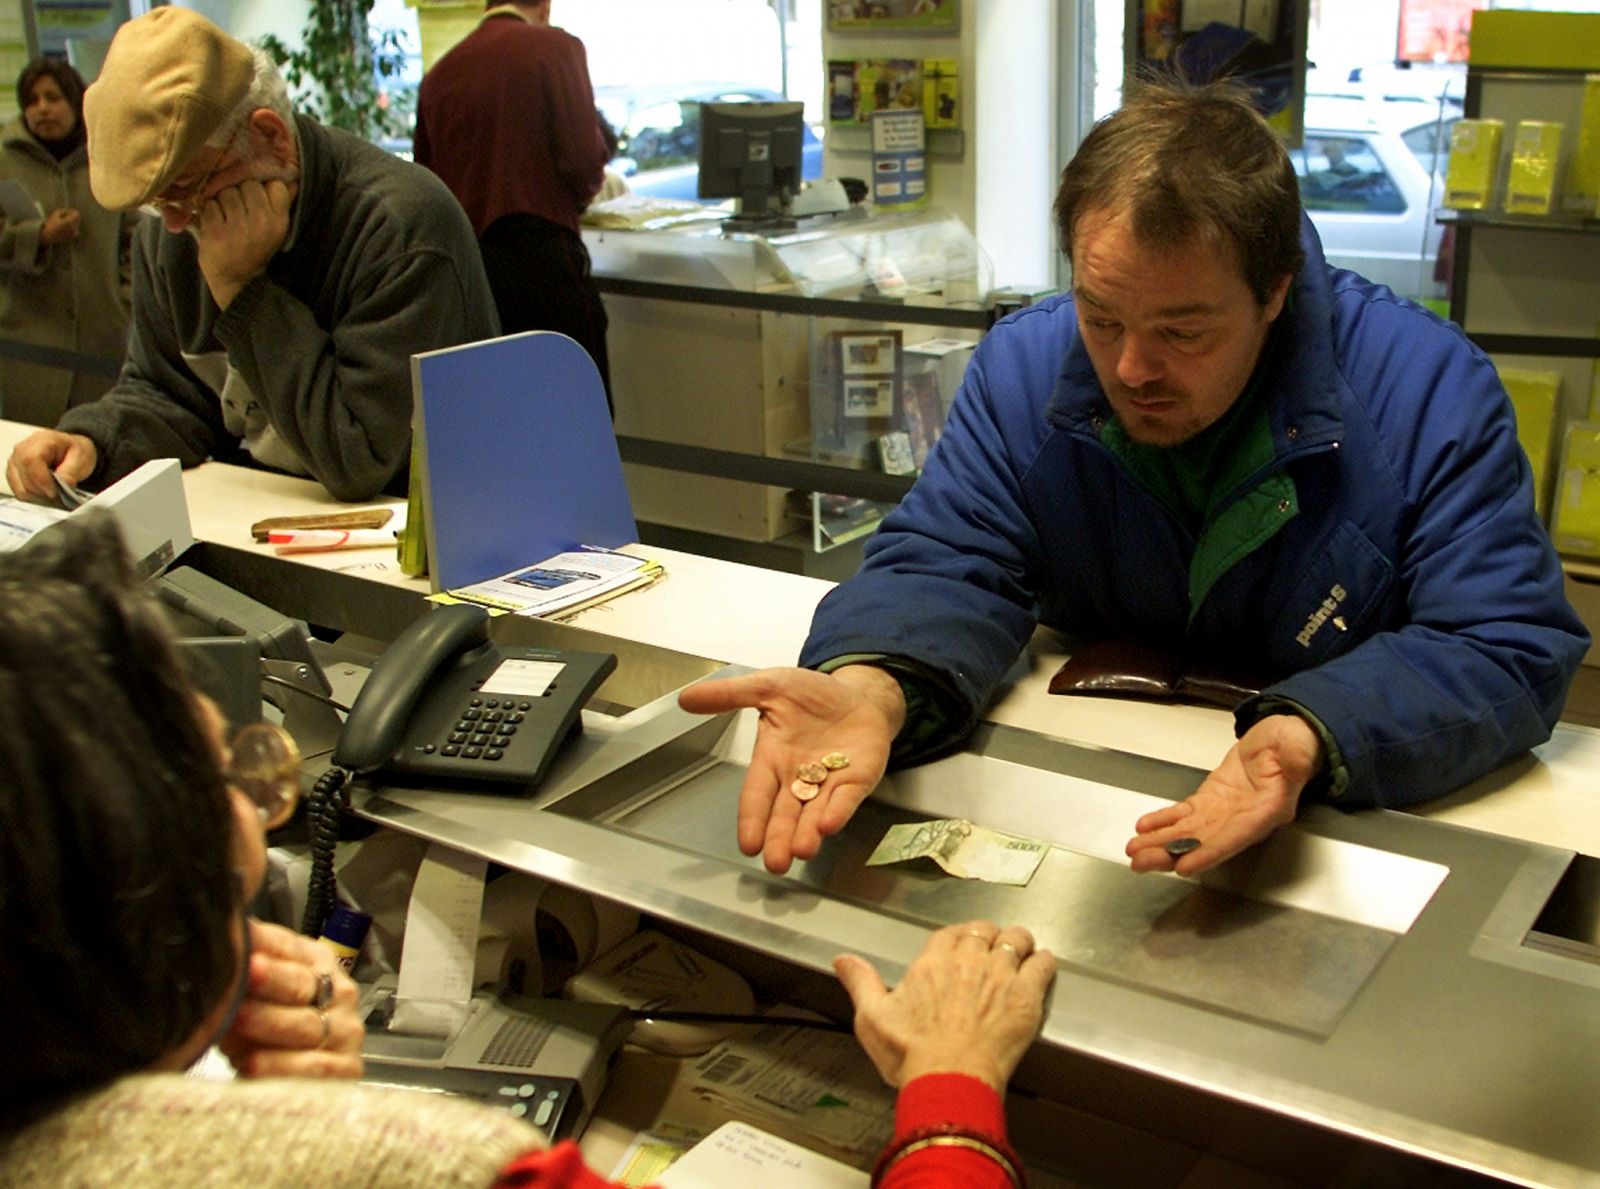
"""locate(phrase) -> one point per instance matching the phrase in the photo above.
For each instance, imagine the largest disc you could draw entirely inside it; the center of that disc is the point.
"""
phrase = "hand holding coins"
(1253, 791)
(808, 779)
(787, 806)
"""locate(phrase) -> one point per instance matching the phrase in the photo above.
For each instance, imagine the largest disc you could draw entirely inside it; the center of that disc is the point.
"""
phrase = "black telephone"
(445, 702)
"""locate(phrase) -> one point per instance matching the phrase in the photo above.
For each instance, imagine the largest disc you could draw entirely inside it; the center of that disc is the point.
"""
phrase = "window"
(1338, 173)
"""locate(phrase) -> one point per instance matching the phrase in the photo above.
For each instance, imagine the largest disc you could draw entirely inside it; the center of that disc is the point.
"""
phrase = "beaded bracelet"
(947, 1135)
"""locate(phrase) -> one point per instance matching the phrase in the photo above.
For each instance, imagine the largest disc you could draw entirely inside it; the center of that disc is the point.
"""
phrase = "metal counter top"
(1369, 973)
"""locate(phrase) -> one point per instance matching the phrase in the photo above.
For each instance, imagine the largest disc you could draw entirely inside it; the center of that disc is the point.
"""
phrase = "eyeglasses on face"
(264, 765)
(188, 200)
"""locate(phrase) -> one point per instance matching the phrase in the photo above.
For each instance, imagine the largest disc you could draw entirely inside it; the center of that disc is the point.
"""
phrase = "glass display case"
(798, 378)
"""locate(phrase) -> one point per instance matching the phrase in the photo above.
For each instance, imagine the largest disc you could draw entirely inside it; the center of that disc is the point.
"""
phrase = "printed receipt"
(441, 944)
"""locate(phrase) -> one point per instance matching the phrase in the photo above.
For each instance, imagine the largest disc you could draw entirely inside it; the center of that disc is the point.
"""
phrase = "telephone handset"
(445, 702)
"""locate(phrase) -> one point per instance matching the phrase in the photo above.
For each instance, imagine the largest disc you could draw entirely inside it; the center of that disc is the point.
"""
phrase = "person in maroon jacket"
(507, 120)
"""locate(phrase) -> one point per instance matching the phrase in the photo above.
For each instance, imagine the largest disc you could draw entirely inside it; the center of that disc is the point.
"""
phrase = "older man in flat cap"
(289, 274)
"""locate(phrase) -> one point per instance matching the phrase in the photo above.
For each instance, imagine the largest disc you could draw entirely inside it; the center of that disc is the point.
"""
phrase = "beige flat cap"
(169, 81)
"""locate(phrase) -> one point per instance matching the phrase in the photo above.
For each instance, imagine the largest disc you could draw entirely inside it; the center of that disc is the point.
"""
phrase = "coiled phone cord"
(325, 807)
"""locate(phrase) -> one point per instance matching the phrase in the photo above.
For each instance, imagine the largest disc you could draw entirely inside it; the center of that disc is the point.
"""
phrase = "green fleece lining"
(1192, 478)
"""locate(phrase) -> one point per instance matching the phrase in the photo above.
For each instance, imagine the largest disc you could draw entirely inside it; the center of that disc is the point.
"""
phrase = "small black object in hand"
(1179, 847)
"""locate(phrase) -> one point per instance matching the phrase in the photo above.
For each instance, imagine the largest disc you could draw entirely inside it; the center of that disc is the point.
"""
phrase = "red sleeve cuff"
(954, 1098)
(560, 1167)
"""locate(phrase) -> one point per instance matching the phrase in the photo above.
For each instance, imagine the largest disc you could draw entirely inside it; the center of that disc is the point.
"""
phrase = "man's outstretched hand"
(855, 711)
(1253, 791)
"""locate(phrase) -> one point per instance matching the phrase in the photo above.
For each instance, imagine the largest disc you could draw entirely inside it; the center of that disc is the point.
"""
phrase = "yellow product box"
(1474, 161)
(1535, 158)
(1535, 397)
(1576, 530)
(941, 93)
(1583, 189)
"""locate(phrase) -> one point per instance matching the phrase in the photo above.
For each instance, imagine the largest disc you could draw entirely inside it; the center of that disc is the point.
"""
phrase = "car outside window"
(1343, 173)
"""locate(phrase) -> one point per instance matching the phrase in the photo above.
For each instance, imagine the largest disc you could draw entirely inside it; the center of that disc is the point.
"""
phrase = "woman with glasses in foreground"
(131, 844)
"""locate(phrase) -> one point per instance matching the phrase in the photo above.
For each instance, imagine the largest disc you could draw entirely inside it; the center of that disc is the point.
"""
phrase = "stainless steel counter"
(1375, 974)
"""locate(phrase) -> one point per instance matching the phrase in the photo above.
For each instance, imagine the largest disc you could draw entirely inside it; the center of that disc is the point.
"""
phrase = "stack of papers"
(566, 583)
(817, 1084)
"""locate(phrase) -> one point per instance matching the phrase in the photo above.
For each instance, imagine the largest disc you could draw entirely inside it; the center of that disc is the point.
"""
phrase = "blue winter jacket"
(1412, 601)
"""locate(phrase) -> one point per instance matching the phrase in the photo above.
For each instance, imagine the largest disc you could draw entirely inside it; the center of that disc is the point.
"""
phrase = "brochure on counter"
(565, 583)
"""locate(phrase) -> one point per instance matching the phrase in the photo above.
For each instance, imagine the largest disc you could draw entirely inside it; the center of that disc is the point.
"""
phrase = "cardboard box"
(1469, 183)
(1535, 397)
(1535, 158)
(1583, 192)
(1576, 528)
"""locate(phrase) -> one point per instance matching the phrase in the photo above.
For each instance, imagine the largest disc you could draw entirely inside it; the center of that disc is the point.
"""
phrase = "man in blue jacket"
(1218, 445)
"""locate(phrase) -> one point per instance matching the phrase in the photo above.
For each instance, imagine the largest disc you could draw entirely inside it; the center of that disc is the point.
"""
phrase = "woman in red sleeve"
(131, 849)
(949, 1036)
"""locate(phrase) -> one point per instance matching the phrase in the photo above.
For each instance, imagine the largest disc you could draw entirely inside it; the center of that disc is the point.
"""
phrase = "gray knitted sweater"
(173, 1132)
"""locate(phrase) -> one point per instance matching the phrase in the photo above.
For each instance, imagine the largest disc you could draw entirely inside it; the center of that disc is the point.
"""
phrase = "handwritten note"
(735, 1153)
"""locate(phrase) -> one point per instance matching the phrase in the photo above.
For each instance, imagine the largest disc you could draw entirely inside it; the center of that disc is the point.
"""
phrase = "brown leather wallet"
(1131, 668)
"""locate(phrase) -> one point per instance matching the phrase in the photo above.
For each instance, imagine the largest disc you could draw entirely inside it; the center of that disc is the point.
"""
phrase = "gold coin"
(805, 789)
(835, 760)
(812, 773)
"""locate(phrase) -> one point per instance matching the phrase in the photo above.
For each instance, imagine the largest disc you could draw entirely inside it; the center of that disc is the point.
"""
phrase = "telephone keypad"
(485, 728)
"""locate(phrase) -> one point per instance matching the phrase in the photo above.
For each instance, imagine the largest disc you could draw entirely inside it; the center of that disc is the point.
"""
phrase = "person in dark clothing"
(507, 120)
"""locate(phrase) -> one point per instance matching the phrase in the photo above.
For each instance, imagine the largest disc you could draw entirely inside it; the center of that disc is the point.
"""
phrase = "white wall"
(1013, 136)
(248, 19)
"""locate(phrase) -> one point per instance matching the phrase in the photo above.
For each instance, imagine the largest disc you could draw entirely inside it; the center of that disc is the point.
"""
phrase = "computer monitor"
(751, 151)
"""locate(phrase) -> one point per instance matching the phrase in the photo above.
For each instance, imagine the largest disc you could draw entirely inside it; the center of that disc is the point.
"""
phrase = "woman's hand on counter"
(805, 717)
(970, 1002)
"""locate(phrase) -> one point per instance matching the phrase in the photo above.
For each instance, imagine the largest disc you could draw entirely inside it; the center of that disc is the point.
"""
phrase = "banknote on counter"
(963, 849)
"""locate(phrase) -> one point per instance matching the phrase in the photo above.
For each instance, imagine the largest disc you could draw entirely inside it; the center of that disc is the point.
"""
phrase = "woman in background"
(67, 269)
(131, 846)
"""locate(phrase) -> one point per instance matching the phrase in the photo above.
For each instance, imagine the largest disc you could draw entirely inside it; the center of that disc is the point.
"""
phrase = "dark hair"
(117, 887)
(607, 134)
(68, 79)
(1191, 160)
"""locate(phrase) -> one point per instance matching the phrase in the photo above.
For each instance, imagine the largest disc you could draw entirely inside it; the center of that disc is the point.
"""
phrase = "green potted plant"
(335, 71)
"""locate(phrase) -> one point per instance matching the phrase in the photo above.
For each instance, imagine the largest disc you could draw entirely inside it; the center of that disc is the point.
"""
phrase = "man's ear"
(268, 128)
(1275, 299)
